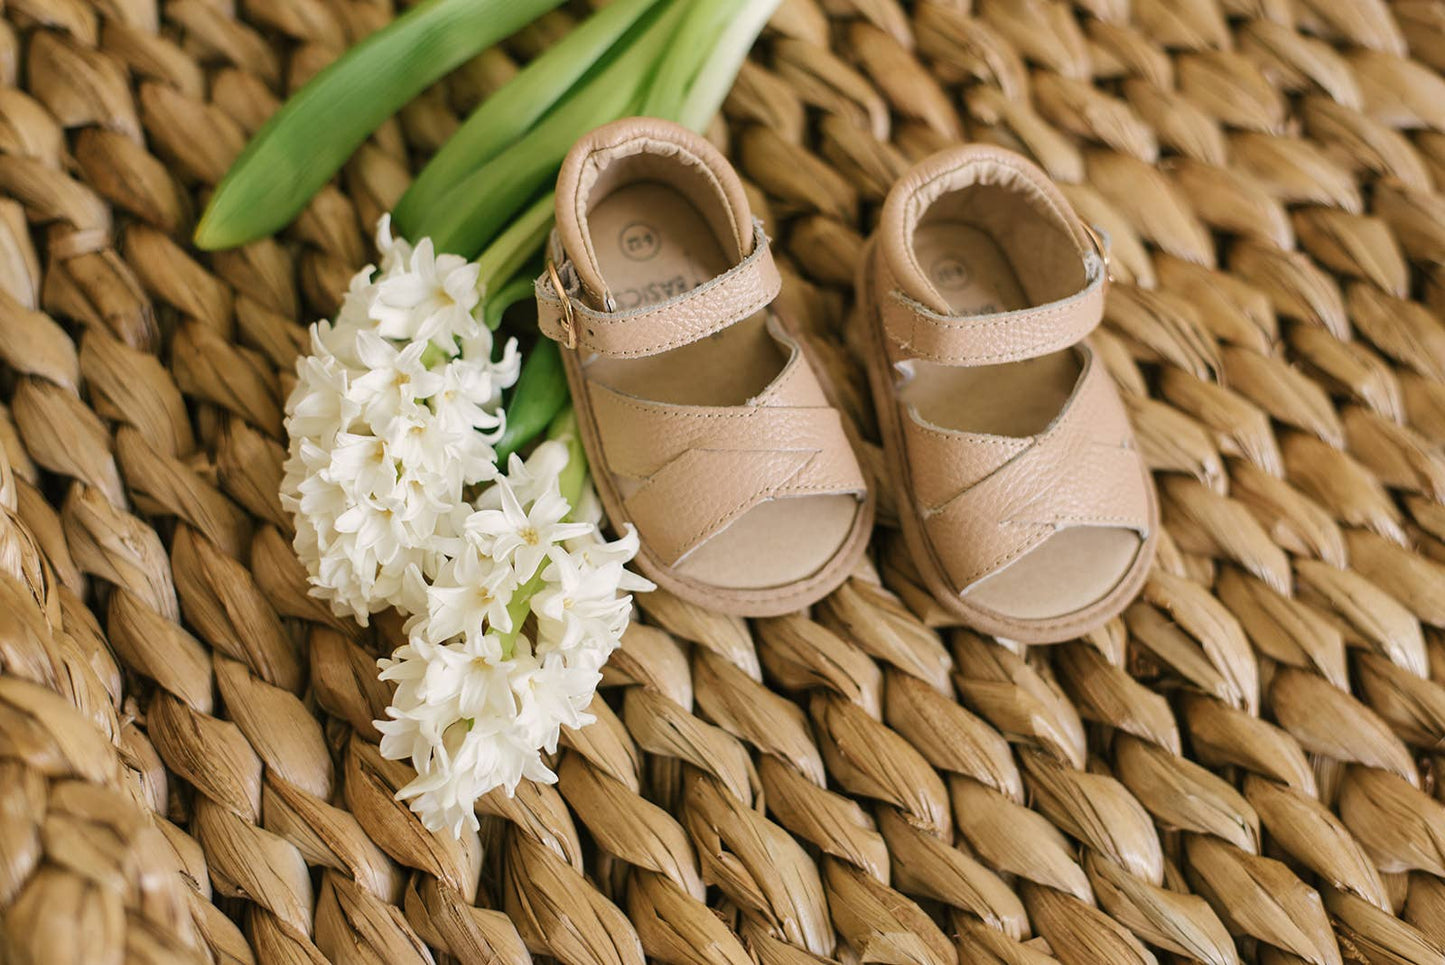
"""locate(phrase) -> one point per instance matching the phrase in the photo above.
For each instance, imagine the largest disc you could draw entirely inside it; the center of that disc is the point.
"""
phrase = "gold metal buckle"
(569, 318)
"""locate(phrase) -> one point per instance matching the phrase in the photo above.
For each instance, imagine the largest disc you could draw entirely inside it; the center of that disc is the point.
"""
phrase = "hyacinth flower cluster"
(513, 598)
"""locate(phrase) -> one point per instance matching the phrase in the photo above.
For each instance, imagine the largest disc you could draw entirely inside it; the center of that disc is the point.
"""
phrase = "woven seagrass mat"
(1241, 769)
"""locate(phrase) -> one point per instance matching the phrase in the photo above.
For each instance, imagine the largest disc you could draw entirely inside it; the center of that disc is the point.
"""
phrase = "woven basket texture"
(1242, 768)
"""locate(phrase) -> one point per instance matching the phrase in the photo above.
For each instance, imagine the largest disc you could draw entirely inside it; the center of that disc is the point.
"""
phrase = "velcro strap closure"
(736, 294)
(1000, 337)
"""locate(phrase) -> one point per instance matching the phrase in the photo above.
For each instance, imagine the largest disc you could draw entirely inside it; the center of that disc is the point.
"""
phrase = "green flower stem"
(308, 139)
(707, 93)
(517, 106)
(574, 477)
(541, 390)
(519, 289)
(516, 245)
(705, 19)
(571, 483)
(472, 212)
(540, 394)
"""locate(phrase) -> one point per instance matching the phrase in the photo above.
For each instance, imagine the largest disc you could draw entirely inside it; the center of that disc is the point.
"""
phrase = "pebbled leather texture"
(701, 467)
(746, 289)
(1012, 494)
(918, 331)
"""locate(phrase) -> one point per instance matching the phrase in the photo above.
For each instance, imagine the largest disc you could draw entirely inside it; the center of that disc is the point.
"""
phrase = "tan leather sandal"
(1025, 504)
(705, 424)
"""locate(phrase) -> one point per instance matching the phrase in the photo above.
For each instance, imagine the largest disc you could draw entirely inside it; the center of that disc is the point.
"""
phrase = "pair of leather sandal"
(1025, 505)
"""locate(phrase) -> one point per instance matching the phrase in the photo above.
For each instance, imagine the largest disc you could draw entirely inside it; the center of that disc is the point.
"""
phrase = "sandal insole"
(1074, 567)
(652, 244)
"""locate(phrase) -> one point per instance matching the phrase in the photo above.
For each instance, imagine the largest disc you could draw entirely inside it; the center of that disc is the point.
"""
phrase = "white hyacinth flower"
(392, 480)
(521, 535)
(430, 303)
(465, 661)
(395, 251)
(387, 434)
(470, 595)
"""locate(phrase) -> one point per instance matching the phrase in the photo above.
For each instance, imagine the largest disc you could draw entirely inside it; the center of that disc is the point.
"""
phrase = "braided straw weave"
(1240, 769)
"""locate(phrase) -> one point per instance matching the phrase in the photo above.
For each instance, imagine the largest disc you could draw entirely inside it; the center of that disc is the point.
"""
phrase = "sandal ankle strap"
(1011, 336)
(736, 294)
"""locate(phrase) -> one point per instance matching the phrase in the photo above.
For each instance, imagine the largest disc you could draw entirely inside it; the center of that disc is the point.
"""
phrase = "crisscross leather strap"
(919, 332)
(1082, 471)
(725, 300)
(699, 468)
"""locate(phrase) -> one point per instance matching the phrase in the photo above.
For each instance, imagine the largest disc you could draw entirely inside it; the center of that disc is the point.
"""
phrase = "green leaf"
(511, 111)
(518, 243)
(320, 126)
(725, 58)
(540, 394)
(705, 20)
(477, 207)
(517, 290)
(573, 479)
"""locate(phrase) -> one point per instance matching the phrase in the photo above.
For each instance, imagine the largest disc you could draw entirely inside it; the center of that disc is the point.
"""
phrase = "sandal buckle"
(569, 317)
(1100, 247)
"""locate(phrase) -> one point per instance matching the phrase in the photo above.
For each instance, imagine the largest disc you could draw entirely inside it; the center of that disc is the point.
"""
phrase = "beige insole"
(1075, 567)
(651, 244)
